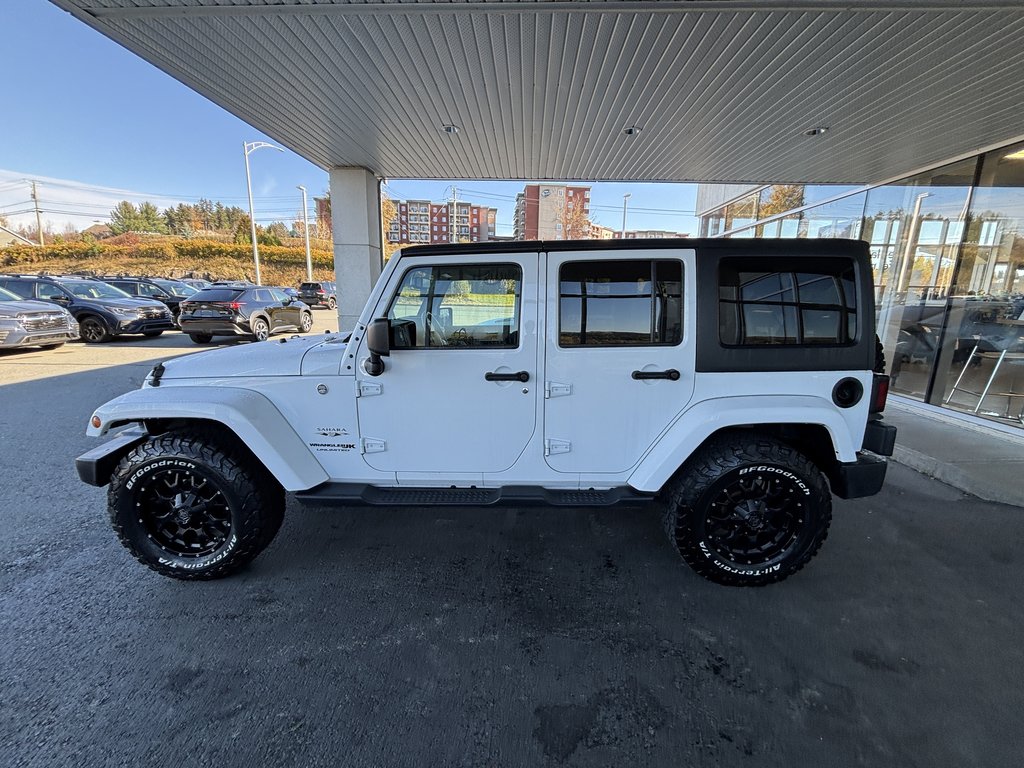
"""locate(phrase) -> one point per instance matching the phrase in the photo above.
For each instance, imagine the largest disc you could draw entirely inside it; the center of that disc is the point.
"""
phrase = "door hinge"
(369, 388)
(554, 389)
(553, 447)
(373, 445)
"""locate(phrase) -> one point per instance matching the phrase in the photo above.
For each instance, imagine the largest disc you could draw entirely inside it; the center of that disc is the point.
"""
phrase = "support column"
(355, 220)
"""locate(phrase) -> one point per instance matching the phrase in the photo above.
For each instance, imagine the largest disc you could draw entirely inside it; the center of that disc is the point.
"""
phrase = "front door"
(458, 393)
(619, 355)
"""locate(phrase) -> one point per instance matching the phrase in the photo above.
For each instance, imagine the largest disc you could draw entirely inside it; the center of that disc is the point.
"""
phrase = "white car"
(735, 385)
(26, 323)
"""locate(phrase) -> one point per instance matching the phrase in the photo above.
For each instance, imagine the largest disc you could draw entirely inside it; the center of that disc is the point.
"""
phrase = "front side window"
(806, 306)
(462, 306)
(620, 303)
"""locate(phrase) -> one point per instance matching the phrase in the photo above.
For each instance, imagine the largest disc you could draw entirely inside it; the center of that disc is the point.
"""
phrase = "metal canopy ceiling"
(722, 90)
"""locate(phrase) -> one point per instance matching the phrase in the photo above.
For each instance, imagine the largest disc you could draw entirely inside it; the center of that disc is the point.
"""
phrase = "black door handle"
(671, 374)
(522, 376)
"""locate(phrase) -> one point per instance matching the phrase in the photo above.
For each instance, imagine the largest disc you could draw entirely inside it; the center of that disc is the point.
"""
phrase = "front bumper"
(12, 338)
(96, 466)
(143, 325)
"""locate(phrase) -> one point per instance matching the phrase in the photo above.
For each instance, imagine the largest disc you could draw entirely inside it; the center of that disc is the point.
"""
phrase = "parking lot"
(487, 637)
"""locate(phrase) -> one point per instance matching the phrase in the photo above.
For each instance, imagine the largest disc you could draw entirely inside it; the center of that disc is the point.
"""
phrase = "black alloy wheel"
(93, 330)
(186, 514)
(748, 510)
(194, 505)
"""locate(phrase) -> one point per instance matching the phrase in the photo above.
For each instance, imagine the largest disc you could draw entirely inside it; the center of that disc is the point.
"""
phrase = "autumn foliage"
(170, 257)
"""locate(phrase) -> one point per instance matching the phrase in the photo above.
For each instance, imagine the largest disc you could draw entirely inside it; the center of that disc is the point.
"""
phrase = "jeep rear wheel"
(191, 509)
(748, 511)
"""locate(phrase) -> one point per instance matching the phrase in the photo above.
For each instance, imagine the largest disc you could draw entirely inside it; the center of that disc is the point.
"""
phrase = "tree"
(125, 218)
(388, 214)
(150, 219)
(576, 224)
(782, 198)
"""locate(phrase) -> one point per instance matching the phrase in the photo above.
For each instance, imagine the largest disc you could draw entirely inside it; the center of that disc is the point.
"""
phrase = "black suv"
(242, 310)
(102, 311)
(323, 293)
(169, 292)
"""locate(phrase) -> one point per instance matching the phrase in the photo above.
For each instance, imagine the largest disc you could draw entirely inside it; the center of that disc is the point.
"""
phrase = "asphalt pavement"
(488, 637)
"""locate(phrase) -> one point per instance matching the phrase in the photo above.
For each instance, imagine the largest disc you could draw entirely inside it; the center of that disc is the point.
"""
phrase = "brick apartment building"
(423, 221)
(545, 211)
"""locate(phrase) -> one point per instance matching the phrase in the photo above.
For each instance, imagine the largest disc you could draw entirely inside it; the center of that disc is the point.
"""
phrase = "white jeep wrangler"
(732, 382)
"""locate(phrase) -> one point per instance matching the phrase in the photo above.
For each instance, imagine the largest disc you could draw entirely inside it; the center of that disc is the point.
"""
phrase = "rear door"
(619, 355)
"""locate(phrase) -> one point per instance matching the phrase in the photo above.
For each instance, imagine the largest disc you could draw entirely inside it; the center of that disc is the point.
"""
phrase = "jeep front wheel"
(748, 511)
(190, 509)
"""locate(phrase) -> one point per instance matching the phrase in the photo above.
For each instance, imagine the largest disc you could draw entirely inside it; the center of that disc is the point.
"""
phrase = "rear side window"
(812, 305)
(216, 294)
(620, 303)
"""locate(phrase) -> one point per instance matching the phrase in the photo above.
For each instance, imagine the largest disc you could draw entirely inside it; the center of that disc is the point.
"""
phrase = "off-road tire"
(201, 338)
(92, 330)
(306, 322)
(754, 468)
(260, 329)
(151, 334)
(254, 502)
(332, 303)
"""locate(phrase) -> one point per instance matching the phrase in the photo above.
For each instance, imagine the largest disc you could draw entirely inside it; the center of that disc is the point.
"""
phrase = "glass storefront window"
(984, 361)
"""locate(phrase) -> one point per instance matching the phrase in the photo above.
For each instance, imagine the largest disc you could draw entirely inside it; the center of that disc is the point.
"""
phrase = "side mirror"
(378, 341)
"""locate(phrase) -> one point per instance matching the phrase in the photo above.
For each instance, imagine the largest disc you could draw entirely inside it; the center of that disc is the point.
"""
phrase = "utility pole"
(625, 197)
(39, 220)
(250, 147)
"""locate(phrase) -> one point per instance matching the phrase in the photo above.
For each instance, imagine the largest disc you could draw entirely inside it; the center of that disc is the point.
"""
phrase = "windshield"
(94, 289)
(175, 288)
(6, 295)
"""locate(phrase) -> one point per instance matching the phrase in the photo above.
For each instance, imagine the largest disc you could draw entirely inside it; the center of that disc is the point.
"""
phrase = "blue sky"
(90, 115)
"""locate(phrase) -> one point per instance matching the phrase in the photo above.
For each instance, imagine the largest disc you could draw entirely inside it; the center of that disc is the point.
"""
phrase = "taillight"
(235, 305)
(879, 392)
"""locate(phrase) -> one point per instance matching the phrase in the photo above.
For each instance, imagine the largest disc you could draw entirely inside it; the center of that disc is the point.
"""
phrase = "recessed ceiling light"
(819, 130)
(450, 128)
(1018, 155)
(632, 130)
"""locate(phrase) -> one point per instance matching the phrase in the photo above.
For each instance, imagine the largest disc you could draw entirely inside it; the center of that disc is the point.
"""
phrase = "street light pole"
(250, 147)
(625, 197)
(305, 233)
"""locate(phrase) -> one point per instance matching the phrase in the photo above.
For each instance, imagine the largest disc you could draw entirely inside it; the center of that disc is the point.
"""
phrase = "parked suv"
(735, 385)
(323, 293)
(102, 311)
(169, 292)
(242, 310)
(25, 323)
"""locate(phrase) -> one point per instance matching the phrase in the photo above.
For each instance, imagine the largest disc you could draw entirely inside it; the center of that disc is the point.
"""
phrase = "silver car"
(27, 323)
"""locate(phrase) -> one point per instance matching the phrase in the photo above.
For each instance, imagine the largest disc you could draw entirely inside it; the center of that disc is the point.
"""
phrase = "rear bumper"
(860, 478)
(214, 327)
(96, 466)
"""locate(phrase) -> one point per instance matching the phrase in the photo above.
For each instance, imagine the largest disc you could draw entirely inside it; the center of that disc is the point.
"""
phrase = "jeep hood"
(277, 357)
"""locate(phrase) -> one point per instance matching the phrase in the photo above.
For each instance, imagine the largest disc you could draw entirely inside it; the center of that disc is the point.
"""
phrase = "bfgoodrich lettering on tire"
(191, 508)
(748, 510)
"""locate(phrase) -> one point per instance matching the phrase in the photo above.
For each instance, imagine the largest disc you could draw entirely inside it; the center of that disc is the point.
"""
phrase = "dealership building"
(947, 247)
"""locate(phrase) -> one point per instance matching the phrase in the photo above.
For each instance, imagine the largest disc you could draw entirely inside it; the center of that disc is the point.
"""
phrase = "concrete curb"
(956, 477)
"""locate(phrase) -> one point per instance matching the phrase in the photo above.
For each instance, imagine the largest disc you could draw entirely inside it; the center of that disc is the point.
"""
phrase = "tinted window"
(458, 307)
(19, 287)
(620, 303)
(151, 289)
(811, 306)
(216, 294)
(49, 291)
(6, 295)
(94, 289)
(278, 294)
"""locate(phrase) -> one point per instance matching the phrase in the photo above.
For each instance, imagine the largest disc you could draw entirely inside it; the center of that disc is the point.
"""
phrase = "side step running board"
(353, 494)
